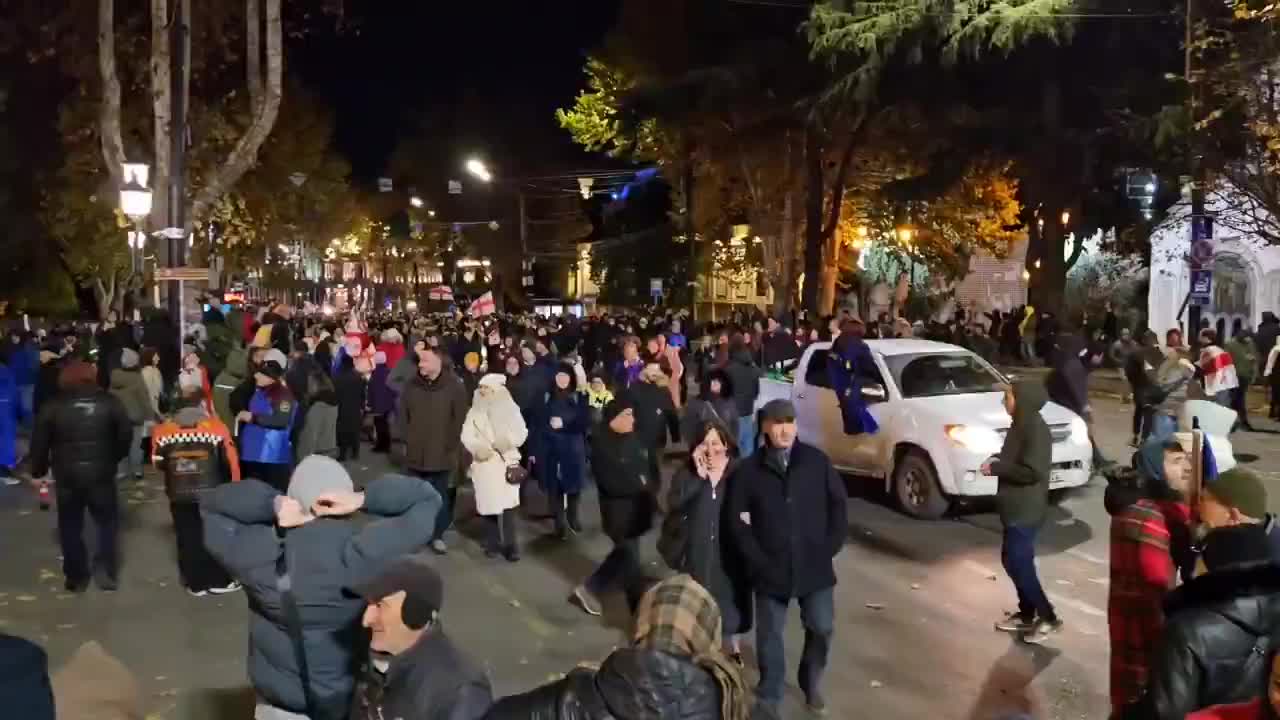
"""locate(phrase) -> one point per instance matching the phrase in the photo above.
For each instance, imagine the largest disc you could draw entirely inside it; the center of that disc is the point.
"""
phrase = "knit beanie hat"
(1240, 489)
(619, 404)
(315, 476)
(128, 359)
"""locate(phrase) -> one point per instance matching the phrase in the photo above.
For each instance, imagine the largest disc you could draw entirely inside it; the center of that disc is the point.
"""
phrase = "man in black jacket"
(789, 518)
(620, 464)
(83, 433)
(414, 670)
(1220, 627)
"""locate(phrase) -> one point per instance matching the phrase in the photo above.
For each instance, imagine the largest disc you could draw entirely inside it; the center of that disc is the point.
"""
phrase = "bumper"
(1072, 467)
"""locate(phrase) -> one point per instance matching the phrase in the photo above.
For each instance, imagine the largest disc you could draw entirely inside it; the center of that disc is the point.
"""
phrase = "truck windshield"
(931, 375)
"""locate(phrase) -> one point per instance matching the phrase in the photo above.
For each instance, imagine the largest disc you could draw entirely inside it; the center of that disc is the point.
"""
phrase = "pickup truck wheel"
(915, 486)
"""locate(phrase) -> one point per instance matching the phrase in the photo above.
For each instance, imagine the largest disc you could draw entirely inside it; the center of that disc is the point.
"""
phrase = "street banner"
(483, 305)
(440, 292)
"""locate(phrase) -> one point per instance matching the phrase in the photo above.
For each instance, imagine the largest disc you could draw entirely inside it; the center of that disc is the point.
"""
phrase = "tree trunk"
(245, 153)
(161, 108)
(253, 52)
(109, 113)
(785, 288)
(814, 193)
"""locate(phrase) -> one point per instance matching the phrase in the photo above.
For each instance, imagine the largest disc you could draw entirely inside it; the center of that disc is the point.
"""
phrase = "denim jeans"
(746, 435)
(1018, 555)
(131, 465)
(441, 480)
(817, 614)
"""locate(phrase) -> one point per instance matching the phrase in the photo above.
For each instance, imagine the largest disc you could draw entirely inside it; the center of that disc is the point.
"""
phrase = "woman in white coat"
(493, 433)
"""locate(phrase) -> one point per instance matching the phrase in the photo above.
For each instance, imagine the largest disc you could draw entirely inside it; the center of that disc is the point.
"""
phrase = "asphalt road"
(914, 607)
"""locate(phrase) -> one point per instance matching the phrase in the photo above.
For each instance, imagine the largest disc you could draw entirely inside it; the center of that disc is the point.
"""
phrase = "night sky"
(481, 77)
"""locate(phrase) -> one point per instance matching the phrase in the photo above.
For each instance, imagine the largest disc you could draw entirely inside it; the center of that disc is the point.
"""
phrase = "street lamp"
(135, 202)
(904, 235)
(478, 169)
(416, 201)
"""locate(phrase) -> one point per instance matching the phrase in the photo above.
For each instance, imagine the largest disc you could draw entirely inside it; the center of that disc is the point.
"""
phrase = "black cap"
(778, 410)
(617, 405)
(414, 574)
(271, 369)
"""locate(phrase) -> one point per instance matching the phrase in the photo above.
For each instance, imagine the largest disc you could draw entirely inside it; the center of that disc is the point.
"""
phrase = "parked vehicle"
(941, 416)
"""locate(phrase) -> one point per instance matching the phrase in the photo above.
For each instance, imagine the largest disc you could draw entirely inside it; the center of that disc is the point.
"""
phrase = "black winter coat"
(620, 464)
(656, 415)
(349, 387)
(1218, 630)
(83, 433)
(798, 521)
(746, 381)
(632, 684)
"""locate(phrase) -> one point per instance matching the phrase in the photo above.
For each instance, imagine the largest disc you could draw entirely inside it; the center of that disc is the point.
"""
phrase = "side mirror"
(874, 392)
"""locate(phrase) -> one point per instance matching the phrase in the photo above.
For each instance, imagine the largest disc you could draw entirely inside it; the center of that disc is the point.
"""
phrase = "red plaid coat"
(1142, 573)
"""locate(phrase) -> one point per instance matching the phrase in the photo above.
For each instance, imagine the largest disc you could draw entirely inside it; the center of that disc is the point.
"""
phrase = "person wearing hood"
(196, 454)
(713, 403)
(562, 450)
(432, 411)
(1219, 625)
(128, 386)
(675, 667)
(1151, 545)
(1068, 384)
(318, 434)
(493, 432)
(300, 558)
(266, 425)
(656, 416)
(403, 373)
(350, 388)
(1022, 499)
(233, 375)
(81, 435)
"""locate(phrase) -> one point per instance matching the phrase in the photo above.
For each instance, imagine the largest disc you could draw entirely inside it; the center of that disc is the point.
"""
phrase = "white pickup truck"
(941, 416)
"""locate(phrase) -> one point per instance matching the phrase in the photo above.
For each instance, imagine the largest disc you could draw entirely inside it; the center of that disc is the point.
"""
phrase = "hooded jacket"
(1218, 631)
(745, 377)
(232, 375)
(129, 387)
(1022, 468)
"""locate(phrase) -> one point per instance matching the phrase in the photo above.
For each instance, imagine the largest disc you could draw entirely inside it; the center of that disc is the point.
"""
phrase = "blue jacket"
(562, 454)
(24, 361)
(11, 413)
(326, 558)
(850, 361)
(268, 438)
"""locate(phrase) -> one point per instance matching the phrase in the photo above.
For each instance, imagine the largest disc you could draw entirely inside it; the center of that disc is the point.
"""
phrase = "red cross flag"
(483, 305)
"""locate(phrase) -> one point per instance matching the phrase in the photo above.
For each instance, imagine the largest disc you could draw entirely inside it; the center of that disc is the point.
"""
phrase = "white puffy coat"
(493, 433)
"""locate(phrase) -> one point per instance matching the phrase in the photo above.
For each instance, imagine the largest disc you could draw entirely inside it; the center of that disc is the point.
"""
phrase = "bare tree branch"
(245, 153)
(109, 112)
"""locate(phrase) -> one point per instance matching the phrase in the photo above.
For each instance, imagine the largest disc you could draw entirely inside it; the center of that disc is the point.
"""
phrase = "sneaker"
(11, 481)
(105, 582)
(197, 593)
(439, 547)
(583, 598)
(76, 586)
(233, 587)
(1015, 623)
(1042, 630)
(816, 705)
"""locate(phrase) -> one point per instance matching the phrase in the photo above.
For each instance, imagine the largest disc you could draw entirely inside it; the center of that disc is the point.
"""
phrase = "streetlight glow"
(477, 168)
(416, 201)
(431, 213)
(135, 198)
(1066, 217)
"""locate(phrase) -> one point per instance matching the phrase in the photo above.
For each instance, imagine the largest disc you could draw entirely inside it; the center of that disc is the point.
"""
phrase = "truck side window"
(817, 374)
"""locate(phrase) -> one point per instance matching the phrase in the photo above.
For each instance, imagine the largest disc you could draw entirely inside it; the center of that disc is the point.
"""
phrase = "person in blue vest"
(266, 450)
(12, 414)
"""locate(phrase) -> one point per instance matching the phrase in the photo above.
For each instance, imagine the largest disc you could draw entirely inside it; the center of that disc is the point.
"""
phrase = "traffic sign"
(183, 274)
(1201, 287)
(385, 185)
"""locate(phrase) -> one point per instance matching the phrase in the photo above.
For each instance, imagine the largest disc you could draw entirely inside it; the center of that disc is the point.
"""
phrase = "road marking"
(1086, 556)
(1079, 605)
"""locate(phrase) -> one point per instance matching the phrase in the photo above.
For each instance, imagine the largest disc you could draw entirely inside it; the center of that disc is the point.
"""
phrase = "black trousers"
(348, 446)
(199, 570)
(274, 474)
(382, 433)
(565, 510)
(103, 506)
(502, 533)
(1240, 401)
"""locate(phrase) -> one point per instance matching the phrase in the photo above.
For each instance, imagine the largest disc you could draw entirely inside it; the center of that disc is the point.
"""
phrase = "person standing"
(414, 670)
(12, 414)
(196, 454)
(1244, 355)
(432, 411)
(493, 432)
(82, 434)
(1218, 369)
(382, 403)
(266, 426)
(789, 519)
(620, 464)
(744, 376)
(129, 387)
(319, 432)
(561, 466)
(656, 416)
(1022, 499)
(693, 536)
(350, 389)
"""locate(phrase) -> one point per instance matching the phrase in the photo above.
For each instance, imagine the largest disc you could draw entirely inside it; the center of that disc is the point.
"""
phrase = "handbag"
(516, 475)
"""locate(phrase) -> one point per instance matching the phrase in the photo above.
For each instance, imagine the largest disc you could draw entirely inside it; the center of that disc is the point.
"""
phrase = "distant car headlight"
(1079, 431)
(983, 441)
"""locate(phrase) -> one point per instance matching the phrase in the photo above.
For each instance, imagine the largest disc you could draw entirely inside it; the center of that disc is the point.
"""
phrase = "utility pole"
(180, 54)
(691, 233)
(1198, 223)
(524, 226)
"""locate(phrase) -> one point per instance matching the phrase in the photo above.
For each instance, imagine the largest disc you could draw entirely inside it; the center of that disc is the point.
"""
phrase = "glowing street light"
(416, 201)
(904, 235)
(431, 213)
(135, 197)
(478, 169)
(1066, 217)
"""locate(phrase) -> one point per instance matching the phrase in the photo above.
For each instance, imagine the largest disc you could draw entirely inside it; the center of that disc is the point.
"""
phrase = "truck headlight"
(1079, 431)
(983, 441)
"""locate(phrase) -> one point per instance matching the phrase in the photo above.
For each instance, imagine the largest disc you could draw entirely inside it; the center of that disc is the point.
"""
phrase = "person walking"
(493, 432)
(82, 434)
(561, 466)
(1218, 369)
(744, 377)
(432, 411)
(620, 464)
(694, 539)
(298, 555)
(1244, 355)
(382, 403)
(656, 416)
(196, 454)
(319, 432)
(350, 389)
(414, 670)
(1022, 499)
(128, 387)
(714, 403)
(266, 426)
(788, 517)
(225, 385)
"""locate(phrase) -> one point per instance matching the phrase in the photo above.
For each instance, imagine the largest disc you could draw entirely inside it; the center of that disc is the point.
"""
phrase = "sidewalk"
(1108, 382)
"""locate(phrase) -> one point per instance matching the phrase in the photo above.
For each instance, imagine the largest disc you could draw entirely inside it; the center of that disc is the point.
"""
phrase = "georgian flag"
(483, 305)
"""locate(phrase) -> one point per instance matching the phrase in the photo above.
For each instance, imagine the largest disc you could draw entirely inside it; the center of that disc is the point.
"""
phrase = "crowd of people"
(251, 423)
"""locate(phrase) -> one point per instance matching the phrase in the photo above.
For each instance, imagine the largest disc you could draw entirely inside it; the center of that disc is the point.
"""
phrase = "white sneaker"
(197, 593)
(233, 587)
